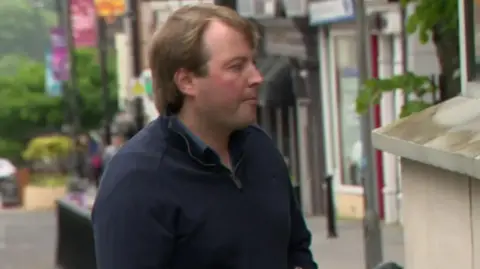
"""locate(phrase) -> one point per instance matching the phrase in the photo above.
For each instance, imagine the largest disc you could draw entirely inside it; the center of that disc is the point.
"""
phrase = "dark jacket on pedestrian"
(166, 201)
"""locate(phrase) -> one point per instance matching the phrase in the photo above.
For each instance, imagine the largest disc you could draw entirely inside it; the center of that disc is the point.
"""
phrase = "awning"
(277, 88)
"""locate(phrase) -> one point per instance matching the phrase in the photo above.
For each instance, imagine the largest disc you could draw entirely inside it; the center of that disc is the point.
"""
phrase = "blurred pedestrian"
(201, 186)
(118, 139)
(83, 167)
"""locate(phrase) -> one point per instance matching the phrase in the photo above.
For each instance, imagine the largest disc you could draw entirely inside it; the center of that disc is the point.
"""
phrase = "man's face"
(117, 140)
(228, 94)
(83, 139)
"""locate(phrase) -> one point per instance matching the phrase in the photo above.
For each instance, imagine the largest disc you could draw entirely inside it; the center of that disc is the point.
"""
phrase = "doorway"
(346, 152)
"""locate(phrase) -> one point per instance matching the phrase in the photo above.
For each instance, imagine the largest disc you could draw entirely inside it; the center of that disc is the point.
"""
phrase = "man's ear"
(184, 80)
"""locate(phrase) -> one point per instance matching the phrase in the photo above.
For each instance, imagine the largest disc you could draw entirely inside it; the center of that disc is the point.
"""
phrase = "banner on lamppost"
(84, 23)
(60, 58)
(53, 87)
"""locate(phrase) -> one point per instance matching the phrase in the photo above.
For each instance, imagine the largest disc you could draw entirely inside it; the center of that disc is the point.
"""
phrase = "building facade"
(389, 55)
(289, 98)
(307, 103)
(335, 21)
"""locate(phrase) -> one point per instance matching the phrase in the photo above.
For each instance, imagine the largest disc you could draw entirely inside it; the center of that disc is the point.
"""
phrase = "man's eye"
(237, 67)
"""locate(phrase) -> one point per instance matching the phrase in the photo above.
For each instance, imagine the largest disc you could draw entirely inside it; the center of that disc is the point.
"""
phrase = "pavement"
(346, 251)
(27, 241)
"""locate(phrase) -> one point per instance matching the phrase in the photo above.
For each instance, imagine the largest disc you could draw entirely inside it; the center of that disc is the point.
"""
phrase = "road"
(29, 242)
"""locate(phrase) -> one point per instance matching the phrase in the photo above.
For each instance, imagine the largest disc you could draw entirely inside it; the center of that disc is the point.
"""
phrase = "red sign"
(84, 23)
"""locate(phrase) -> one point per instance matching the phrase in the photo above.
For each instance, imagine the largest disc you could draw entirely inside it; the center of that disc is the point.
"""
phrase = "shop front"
(337, 44)
(287, 109)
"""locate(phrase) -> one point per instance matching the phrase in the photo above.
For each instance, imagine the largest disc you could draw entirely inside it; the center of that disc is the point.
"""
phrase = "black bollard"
(388, 265)
(331, 215)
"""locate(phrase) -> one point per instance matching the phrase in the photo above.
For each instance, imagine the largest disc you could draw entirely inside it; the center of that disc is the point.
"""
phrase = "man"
(201, 187)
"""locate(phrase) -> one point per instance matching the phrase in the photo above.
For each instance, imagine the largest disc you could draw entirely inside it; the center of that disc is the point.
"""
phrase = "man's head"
(202, 62)
(118, 139)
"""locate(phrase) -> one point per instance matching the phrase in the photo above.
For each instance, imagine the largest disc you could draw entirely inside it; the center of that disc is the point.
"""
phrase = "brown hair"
(178, 44)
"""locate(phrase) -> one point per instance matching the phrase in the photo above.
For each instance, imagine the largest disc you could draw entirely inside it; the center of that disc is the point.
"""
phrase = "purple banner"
(60, 54)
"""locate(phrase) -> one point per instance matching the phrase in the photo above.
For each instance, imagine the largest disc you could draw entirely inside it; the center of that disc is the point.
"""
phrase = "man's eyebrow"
(238, 58)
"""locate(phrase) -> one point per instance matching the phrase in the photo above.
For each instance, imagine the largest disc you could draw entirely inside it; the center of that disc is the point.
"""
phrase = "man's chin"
(248, 122)
(243, 123)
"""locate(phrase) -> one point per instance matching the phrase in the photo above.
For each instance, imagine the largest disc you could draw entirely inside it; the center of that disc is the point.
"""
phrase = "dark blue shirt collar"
(200, 150)
(197, 141)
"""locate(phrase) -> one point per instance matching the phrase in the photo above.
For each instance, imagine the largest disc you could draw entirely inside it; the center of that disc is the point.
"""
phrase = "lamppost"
(107, 13)
(371, 221)
(70, 90)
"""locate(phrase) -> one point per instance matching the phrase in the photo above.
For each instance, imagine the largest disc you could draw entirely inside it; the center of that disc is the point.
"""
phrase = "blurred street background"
(75, 86)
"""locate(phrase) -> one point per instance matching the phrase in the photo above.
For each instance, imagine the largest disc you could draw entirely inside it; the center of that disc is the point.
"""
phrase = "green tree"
(10, 64)
(91, 90)
(435, 21)
(24, 107)
(24, 28)
(26, 110)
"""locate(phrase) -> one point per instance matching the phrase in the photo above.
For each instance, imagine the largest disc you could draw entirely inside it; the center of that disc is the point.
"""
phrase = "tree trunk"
(447, 48)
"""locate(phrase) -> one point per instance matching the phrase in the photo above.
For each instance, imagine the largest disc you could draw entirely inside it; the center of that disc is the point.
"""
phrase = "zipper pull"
(237, 182)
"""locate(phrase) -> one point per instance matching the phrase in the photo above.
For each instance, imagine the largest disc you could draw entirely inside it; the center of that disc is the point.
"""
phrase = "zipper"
(233, 172)
(190, 152)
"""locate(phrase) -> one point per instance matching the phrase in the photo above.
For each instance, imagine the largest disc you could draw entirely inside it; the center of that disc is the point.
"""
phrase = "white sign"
(296, 8)
(331, 11)
(136, 88)
(257, 8)
(286, 41)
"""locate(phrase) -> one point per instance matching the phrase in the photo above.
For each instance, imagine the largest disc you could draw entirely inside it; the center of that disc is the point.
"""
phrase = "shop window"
(349, 121)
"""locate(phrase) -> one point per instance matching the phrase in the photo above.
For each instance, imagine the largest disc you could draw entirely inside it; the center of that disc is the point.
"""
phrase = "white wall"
(422, 58)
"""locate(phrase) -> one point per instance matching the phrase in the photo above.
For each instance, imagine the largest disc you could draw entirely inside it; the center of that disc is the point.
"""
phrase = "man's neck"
(215, 137)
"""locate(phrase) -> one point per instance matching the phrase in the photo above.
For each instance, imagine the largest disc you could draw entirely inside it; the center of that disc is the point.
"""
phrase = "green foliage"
(24, 28)
(25, 109)
(10, 64)
(9, 148)
(48, 180)
(47, 147)
(431, 19)
(430, 16)
(411, 84)
(90, 85)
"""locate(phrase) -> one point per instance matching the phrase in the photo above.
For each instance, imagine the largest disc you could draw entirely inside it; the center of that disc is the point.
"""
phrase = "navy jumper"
(167, 202)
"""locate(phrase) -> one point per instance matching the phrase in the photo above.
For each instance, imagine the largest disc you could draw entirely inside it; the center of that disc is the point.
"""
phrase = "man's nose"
(256, 78)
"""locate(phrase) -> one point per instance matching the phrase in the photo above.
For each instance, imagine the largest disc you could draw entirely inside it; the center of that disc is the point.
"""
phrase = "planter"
(39, 197)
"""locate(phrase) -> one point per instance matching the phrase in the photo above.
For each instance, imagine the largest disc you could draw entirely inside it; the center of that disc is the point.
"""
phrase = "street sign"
(138, 89)
(146, 80)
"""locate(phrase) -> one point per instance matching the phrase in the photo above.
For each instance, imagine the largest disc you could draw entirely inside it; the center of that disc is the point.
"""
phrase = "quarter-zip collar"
(182, 138)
